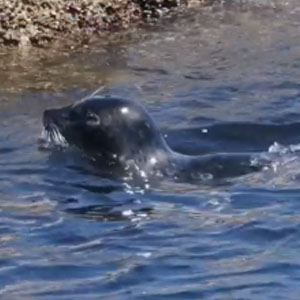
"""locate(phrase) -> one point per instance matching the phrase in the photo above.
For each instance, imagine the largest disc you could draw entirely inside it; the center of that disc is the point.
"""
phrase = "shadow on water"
(223, 79)
(112, 212)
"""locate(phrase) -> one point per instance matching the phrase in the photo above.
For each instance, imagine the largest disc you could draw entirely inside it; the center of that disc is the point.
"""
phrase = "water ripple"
(224, 79)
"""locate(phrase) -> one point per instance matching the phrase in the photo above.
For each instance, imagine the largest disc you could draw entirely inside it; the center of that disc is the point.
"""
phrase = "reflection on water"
(222, 79)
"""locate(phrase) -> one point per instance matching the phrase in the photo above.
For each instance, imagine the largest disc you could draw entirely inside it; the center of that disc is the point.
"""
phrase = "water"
(223, 79)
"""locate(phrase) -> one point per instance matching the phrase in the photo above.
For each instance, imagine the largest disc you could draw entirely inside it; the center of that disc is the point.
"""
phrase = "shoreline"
(42, 23)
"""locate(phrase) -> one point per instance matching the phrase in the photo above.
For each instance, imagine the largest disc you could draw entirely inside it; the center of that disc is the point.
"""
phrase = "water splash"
(281, 149)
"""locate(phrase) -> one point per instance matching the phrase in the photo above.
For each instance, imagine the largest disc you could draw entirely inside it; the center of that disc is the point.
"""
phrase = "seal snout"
(47, 118)
(51, 135)
(55, 117)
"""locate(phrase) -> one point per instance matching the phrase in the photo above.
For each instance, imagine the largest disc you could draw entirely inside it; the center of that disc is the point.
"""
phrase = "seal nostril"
(46, 114)
(46, 118)
(47, 126)
(49, 118)
(65, 116)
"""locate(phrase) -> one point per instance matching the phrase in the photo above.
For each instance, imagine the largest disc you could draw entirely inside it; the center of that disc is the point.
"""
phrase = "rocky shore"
(43, 22)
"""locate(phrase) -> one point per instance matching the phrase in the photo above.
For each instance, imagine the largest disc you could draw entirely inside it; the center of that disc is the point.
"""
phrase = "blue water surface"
(225, 78)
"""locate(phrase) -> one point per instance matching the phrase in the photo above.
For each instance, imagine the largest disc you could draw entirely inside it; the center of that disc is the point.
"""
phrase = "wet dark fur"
(120, 136)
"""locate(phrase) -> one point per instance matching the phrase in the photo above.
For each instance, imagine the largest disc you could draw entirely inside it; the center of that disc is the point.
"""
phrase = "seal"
(120, 137)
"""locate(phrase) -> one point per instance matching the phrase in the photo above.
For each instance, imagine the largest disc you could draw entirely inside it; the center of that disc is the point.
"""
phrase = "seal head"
(111, 131)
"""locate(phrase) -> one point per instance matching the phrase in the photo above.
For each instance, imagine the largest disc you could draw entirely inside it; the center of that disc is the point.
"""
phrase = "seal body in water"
(120, 137)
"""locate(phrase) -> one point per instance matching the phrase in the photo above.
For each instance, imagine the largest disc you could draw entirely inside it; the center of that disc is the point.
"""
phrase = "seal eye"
(92, 119)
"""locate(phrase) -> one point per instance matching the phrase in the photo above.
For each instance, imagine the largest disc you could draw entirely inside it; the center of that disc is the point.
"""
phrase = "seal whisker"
(51, 137)
(92, 95)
